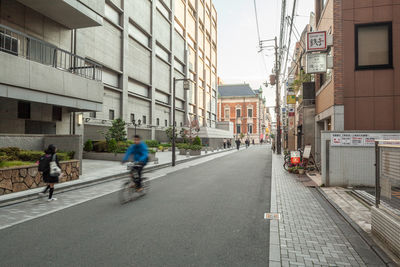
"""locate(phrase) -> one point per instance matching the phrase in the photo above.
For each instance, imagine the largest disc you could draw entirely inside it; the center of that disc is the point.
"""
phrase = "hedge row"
(17, 154)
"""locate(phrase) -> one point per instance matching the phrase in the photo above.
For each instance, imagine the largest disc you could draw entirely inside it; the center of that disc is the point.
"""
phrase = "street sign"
(316, 41)
(295, 157)
(291, 112)
(291, 99)
(316, 63)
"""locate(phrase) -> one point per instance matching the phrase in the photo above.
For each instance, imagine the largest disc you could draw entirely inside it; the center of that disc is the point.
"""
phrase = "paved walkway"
(307, 233)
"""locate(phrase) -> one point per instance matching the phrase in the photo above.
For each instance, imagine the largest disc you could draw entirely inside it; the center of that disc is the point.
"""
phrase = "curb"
(63, 187)
(378, 251)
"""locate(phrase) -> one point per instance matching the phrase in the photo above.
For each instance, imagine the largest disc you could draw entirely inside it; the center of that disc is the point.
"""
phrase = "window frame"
(24, 109)
(390, 41)
(111, 111)
(238, 126)
(227, 115)
(240, 112)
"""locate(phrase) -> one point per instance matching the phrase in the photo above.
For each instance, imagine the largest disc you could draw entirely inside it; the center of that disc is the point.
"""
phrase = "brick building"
(362, 91)
(244, 107)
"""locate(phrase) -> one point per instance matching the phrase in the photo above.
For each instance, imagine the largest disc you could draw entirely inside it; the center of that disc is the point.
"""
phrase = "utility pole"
(278, 108)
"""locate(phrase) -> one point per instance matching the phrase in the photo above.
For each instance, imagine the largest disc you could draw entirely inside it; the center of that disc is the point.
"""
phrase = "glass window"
(111, 114)
(226, 113)
(92, 114)
(374, 46)
(158, 122)
(132, 117)
(250, 128)
(166, 123)
(144, 120)
(250, 113)
(238, 128)
(57, 113)
(238, 113)
(24, 110)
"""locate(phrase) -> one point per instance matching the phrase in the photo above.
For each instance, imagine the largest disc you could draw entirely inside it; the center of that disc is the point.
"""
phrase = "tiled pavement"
(306, 234)
(29, 210)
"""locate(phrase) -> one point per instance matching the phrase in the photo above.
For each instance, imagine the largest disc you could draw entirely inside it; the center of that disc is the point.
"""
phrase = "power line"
(258, 34)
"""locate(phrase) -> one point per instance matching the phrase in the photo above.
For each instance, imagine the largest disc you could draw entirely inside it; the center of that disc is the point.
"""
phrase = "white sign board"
(316, 63)
(360, 139)
(307, 152)
(316, 41)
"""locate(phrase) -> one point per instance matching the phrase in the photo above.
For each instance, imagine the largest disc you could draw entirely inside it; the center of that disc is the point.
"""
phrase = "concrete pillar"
(124, 60)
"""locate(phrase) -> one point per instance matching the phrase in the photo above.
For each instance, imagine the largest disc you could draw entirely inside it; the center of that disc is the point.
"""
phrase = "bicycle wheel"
(127, 192)
(286, 165)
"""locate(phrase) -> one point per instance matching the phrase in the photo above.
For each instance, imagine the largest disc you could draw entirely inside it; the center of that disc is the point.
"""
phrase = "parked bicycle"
(128, 192)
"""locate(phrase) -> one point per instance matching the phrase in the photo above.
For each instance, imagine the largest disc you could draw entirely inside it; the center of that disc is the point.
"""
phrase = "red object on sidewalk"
(295, 157)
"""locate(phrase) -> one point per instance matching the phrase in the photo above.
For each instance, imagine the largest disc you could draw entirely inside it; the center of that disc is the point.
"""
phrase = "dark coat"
(46, 174)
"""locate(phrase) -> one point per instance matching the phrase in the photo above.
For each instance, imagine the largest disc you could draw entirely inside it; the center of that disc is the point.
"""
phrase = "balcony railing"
(22, 45)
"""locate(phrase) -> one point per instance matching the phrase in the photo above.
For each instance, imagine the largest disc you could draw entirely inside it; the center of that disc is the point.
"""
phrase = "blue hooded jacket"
(140, 153)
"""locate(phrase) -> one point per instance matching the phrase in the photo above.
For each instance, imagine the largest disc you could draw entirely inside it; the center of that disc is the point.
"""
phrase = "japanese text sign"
(316, 41)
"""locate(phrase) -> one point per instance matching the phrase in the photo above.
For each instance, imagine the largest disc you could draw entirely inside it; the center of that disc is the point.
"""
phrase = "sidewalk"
(97, 171)
(310, 232)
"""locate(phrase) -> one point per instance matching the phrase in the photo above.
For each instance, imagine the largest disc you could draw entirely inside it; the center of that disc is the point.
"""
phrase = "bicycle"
(286, 162)
(128, 192)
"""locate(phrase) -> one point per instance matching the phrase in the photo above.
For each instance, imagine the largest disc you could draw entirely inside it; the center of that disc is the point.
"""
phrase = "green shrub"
(161, 148)
(63, 156)
(195, 147)
(100, 146)
(112, 146)
(167, 145)
(11, 152)
(152, 143)
(31, 156)
(197, 141)
(181, 145)
(152, 151)
(88, 146)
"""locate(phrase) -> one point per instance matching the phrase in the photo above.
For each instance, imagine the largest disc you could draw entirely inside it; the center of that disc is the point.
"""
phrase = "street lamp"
(136, 124)
(186, 86)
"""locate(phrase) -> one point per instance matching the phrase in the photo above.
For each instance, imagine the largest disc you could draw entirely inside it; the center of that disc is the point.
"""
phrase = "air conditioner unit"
(8, 44)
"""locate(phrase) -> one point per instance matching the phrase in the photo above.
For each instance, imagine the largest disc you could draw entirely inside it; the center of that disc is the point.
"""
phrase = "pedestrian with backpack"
(51, 170)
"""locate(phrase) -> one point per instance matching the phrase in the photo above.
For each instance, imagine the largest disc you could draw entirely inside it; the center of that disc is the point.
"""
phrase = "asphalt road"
(207, 215)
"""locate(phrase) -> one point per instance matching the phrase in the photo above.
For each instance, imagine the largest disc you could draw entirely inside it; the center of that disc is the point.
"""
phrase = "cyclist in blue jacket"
(140, 152)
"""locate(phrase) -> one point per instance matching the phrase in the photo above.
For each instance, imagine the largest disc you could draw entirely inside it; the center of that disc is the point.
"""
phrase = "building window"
(250, 128)
(166, 123)
(132, 117)
(92, 114)
(57, 113)
(238, 113)
(158, 122)
(181, 124)
(111, 114)
(227, 115)
(144, 120)
(24, 110)
(250, 113)
(373, 44)
(238, 128)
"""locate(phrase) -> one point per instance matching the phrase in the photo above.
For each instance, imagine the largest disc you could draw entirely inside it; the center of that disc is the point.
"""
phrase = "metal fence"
(22, 45)
(387, 189)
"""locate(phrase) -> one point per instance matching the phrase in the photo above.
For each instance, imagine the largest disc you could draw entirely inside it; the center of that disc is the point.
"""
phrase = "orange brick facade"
(244, 105)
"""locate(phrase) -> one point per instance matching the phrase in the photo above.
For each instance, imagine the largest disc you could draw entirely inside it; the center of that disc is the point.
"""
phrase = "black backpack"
(44, 163)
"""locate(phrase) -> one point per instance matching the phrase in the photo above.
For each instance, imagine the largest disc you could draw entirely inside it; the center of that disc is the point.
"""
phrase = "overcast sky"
(238, 57)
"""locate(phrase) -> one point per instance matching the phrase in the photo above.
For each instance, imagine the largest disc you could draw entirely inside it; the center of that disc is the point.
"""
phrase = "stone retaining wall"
(21, 178)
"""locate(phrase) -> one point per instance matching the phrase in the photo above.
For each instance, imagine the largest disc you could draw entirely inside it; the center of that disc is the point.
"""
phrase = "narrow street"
(208, 214)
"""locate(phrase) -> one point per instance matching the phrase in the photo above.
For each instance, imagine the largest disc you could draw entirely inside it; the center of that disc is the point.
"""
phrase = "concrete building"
(362, 92)
(44, 84)
(245, 108)
(154, 41)
(82, 63)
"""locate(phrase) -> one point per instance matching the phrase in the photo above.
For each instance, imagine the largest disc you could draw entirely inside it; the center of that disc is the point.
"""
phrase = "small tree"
(117, 131)
(197, 141)
(169, 133)
(112, 145)
(88, 146)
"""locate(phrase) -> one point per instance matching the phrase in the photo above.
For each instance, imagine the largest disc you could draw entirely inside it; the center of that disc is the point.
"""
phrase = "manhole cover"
(272, 216)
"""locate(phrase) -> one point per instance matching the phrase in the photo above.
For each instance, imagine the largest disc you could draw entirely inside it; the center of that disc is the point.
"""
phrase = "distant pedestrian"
(224, 143)
(237, 144)
(247, 142)
(261, 141)
(228, 143)
(252, 141)
(51, 169)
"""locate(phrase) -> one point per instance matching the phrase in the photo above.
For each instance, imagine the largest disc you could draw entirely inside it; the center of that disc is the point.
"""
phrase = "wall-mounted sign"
(316, 63)
(291, 112)
(295, 157)
(360, 139)
(316, 41)
(291, 99)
